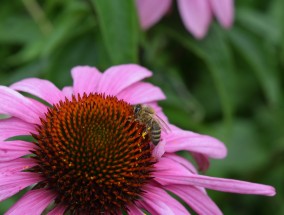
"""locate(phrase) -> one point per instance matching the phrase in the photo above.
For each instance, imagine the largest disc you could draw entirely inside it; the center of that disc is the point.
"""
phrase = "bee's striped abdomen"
(155, 133)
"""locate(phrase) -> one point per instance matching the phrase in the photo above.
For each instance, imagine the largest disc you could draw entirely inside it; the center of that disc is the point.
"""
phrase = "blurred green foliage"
(229, 85)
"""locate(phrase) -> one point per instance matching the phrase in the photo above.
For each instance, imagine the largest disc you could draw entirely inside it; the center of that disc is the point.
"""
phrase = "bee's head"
(137, 109)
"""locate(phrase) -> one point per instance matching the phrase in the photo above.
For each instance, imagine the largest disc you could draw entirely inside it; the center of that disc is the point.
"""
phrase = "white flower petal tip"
(159, 150)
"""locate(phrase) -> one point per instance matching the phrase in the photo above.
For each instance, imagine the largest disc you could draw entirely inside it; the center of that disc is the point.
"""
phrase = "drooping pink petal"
(179, 140)
(134, 210)
(10, 150)
(182, 161)
(196, 16)
(17, 165)
(13, 183)
(117, 78)
(34, 201)
(159, 150)
(85, 79)
(41, 88)
(14, 127)
(157, 201)
(15, 104)
(201, 160)
(151, 11)
(141, 93)
(196, 199)
(224, 11)
(169, 172)
(58, 210)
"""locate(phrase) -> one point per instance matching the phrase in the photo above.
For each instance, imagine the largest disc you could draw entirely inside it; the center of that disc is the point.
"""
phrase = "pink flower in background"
(87, 153)
(195, 14)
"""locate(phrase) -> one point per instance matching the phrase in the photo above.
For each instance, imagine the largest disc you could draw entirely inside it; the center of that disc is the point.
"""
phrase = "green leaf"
(119, 27)
(261, 59)
(215, 53)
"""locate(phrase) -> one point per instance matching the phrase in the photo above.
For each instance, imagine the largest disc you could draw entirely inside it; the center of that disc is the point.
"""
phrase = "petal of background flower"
(14, 127)
(15, 104)
(58, 210)
(34, 201)
(157, 201)
(41, 88)
(11, 150)
(85, 79)
(151, 11)
(179, 140)
(224, 11)
(12, 184)
(196, 16)
(141, 93)
(196, 199)
(117, 78)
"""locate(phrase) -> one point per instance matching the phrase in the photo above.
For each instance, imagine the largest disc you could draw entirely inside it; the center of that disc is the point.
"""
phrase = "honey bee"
(154, 124)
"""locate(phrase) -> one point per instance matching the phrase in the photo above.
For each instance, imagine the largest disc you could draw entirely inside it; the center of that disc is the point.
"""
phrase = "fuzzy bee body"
(147, 116)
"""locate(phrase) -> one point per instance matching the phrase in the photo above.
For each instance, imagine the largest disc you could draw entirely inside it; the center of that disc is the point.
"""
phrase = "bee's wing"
(162, 123)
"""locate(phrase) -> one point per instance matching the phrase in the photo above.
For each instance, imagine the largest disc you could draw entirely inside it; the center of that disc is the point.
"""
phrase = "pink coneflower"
(88, 154)
(195, 14)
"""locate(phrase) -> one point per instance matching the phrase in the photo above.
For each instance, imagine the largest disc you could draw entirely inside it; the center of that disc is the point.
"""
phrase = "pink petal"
(14, 127)
(157, 201)
(141, 93)
(168, 172)
(85, 79)
(41, 88)
(10, 150)
(15, 104)
(117, 78)
(34, 201)
(58, 210)
(151, 11)
(224, 11)
(201, 160)
(182, 161)
(133, 210)
(67, 92)
(159, 150)
(232, 186)
(179, 140)
(12, 184)
(195, 198)
(196, 16)
(17, 165)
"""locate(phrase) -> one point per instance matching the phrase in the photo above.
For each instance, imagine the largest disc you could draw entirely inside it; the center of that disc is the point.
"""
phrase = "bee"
(154, 124)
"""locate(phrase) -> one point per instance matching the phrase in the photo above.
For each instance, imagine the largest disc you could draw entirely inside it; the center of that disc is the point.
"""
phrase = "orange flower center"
(91, 152)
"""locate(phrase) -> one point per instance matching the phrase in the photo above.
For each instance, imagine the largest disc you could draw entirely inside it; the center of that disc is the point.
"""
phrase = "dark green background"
(228, 85)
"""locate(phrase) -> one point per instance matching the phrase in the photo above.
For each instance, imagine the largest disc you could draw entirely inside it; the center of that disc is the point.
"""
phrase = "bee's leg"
(145, 132)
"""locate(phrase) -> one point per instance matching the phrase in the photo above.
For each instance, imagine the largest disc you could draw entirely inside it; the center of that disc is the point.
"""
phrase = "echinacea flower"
(86, 152)
(195, 14)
